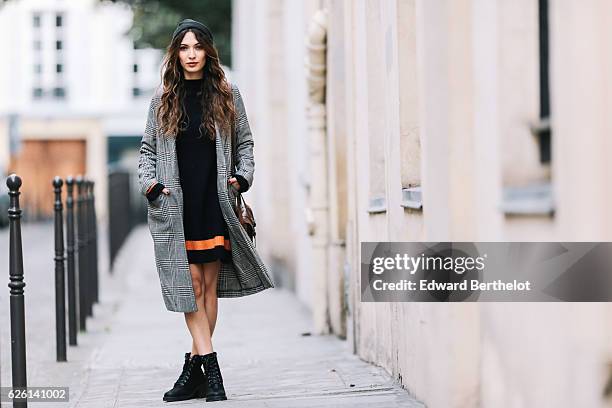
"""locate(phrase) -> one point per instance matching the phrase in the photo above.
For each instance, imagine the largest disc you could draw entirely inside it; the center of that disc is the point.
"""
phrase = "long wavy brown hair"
(217, 101)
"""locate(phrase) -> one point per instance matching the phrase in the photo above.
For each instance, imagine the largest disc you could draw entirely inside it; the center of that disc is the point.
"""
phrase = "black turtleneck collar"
(192, 85)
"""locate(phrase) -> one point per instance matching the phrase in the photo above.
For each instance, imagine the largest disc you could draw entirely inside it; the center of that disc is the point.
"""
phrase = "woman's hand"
(166, 191)
(234, 182)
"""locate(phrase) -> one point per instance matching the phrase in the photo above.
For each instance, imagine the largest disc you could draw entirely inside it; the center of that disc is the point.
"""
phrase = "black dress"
(206, 234)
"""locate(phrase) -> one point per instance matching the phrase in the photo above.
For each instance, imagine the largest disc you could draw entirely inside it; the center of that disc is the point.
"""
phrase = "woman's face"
(192, 56)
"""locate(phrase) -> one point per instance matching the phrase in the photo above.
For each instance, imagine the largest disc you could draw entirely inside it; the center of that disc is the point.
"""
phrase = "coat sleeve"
(148, 152)
(245, 162)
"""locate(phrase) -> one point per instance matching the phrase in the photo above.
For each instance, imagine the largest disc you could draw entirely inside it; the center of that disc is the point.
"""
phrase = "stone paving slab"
(133, 350)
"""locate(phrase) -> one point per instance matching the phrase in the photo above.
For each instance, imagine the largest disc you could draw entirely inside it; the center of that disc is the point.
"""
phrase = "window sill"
(412, 198)
(377, 205)
(535, 199)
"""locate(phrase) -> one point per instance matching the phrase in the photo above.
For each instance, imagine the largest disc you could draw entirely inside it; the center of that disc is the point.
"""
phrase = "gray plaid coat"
(157, 162)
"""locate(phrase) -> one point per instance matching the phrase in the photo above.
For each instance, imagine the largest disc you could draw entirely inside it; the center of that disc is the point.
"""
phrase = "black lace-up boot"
(191, 383)
(215, 390)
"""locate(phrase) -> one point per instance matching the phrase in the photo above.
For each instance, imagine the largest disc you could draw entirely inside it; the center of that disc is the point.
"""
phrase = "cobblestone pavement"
(133, 349)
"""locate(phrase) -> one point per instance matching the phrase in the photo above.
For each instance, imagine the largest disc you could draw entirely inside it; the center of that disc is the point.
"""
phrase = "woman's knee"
(197, 288)
(197, 282)
(211, 276)
(210, 289)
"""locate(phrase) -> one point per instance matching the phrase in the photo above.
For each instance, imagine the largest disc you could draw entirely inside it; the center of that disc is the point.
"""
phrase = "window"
(37, 93)
(527, 173)
(37, 45)
(59, 93)
(59, 45)
(376, 89)
(543, 131)
(59, 68)
(135, 68)
(36, 20)
(37, 68)
(59, 20)
(136, 92)
(409, 136)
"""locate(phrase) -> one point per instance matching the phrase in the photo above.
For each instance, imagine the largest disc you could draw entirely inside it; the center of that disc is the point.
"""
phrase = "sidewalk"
(133, 349)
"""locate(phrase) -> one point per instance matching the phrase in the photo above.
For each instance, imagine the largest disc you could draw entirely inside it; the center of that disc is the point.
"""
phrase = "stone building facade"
(466, 120)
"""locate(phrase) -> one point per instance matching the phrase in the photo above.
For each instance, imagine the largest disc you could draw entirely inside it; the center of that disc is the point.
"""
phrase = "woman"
(201, 250)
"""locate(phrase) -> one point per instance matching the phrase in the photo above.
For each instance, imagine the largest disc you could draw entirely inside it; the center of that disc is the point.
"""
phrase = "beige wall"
(442, 95)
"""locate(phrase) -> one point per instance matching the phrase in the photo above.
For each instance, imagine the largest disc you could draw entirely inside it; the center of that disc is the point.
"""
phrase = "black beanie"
(189, 23)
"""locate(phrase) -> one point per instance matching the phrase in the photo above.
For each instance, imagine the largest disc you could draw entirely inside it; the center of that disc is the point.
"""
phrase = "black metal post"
(72, 307)
(16, 284)
(121, 215)
(60, 294)
(82, 256)
(89, 251)
(95, 242)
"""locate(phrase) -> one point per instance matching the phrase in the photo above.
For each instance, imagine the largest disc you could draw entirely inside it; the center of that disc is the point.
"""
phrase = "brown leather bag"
(241, 208)
(245, 216)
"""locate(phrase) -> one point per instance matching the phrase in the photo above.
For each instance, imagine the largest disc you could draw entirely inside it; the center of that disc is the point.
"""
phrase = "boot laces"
(186, 373)
(213, 371)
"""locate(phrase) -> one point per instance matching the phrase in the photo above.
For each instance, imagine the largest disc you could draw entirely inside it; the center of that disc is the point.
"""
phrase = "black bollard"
(89, 251)
(72, 307)
(81, 256)
(60, 294)
(95, 243)
(16, 284)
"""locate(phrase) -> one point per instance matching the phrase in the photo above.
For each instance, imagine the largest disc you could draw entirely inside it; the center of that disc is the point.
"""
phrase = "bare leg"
(197, 322)
(210, 297)
(209, 287)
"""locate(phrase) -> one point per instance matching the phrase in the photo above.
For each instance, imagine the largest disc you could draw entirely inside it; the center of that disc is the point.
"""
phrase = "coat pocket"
(158, 209)
(157, 201)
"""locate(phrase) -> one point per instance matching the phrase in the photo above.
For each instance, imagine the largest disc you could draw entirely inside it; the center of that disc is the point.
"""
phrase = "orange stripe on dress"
(219, 240)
